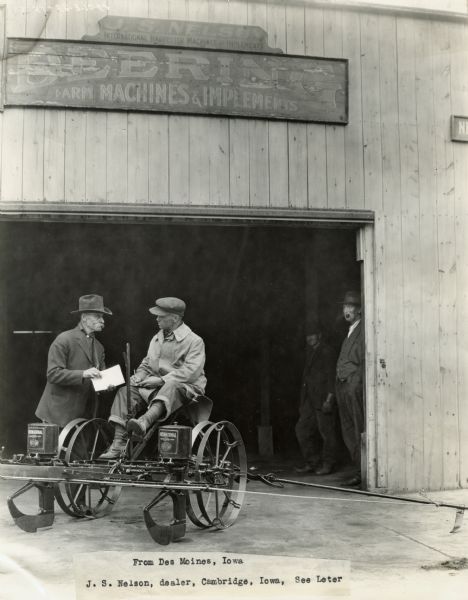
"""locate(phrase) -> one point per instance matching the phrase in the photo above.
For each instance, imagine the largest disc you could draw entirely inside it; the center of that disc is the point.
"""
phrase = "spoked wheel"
(65, 437)
(193, 509)
(89, 440)
(221, 460)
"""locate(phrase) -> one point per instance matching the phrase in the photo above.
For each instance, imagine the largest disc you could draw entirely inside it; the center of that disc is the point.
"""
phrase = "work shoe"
(119, 444)
(141, 425)
(325, 469)
(353, 482)
(137, 426)
(307, 468)
(115, 450)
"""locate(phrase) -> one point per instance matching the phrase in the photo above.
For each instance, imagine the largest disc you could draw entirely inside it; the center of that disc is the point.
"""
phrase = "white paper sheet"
(111, 377)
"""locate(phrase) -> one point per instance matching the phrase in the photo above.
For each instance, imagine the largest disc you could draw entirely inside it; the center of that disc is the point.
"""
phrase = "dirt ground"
(393, 549)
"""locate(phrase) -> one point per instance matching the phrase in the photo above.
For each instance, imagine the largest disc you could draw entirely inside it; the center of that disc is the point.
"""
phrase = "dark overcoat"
(318, 378)
(66, 393)
(351, 358)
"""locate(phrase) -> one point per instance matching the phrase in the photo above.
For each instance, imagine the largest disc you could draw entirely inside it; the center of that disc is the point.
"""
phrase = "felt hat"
(352, 297)
(92, 303)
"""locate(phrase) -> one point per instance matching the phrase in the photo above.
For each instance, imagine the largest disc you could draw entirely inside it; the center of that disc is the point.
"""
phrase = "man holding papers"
(75, 358)
(171, 371)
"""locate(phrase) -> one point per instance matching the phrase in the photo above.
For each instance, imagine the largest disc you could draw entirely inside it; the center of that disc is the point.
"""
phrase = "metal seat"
(196, 409)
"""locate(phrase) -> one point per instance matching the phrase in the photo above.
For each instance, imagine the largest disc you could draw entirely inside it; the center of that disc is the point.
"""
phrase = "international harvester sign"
(174, 32)
(50, 73)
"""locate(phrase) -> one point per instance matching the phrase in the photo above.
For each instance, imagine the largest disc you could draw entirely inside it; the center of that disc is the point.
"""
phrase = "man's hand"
(135, 380)
(91, 373)
(327, 406)
(152, 382)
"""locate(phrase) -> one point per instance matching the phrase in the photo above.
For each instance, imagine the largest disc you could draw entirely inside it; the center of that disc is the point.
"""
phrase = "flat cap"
(314, 326)
(168, 306)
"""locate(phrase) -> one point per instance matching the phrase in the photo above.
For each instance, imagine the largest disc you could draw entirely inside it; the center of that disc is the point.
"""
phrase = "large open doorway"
(250, 291)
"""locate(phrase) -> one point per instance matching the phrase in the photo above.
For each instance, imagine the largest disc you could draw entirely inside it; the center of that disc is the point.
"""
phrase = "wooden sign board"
(172, 32)
(459, 129)
(51, 73)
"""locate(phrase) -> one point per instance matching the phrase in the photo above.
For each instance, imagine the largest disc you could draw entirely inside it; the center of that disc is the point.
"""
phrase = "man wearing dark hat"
(349, 383)
(171, 372)
(315, 429)
(75, 357)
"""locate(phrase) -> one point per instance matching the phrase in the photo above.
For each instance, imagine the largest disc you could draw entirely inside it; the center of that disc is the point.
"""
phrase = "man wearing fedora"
(349, 384)
(171, 372)
(75, 357)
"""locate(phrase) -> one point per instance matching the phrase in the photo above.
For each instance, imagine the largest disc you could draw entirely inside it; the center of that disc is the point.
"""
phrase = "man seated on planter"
(171, 372)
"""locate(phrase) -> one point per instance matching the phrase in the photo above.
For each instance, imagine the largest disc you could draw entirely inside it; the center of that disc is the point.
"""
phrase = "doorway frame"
(179, 213)
(363, 221)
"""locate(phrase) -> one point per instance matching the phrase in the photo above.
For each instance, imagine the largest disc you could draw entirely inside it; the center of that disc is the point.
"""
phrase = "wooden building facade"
(392, 172)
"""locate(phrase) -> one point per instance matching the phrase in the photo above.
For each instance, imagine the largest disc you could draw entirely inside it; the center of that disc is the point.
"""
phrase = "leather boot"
(141, 425)
(309, 467)
(118, 445)
(325, 469)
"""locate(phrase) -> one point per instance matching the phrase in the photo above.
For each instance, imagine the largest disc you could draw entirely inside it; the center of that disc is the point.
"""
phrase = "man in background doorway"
(75, 357)
(349, 384)
(316, 427)
(171, 372)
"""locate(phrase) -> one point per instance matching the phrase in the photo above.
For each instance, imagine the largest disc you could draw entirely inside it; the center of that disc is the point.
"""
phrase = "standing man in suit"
(75, 357)
(316, 427)
(349, 384)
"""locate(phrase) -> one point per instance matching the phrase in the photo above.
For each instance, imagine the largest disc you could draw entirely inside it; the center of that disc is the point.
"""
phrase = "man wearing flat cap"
(171, 372)
(349, 384)
(75, 357)
(315, 429)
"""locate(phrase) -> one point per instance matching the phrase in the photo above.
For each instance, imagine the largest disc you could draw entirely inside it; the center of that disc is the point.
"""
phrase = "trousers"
(172, 394)
(316, 434)
(351, 410)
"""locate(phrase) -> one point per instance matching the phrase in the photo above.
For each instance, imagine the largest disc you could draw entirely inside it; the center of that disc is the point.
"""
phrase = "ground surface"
(395, 550)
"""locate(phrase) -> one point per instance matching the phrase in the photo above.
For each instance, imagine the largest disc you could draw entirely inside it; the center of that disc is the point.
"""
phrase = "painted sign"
(172, 32)
(79, 74)
(459, 127)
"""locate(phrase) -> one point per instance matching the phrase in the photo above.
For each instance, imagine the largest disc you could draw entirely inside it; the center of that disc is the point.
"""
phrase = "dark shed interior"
(250, 292)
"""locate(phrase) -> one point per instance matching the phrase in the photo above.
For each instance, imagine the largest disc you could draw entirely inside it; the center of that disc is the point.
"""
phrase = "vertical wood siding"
(409, 185)
(445, 186)
(407, 77)
(13, 120)
(158, 133)
(277, 131)
(429, 273)
(297, 133)
(75, 156)
(459, 98)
